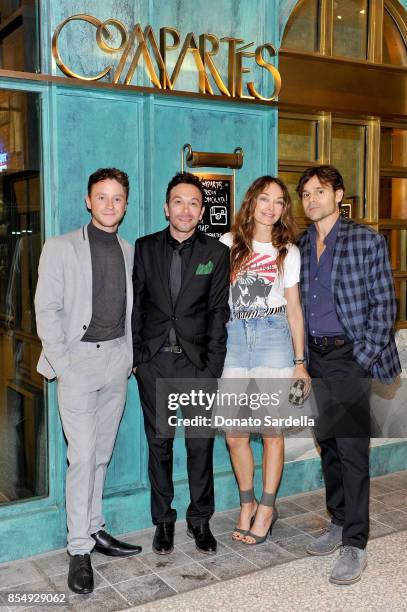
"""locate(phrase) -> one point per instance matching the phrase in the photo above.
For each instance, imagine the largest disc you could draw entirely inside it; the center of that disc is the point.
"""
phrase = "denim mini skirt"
(259, 350)
(259, 347)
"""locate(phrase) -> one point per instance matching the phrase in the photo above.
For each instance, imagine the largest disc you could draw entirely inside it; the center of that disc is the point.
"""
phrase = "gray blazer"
(63, 299)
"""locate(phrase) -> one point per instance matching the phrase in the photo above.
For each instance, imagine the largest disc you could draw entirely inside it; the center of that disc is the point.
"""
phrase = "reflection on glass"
(394, 47)
(19, 35)
(393, 147)
(393, 198)
(291, 180)
(349, 156)
(401, 298)
(385, 147)
(397, 243)
(301, 31)
(23, 434)
(350, 28)
(298, 139)
(385, 198)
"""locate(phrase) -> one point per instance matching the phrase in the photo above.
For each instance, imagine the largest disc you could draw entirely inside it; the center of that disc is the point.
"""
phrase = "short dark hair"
(328, 175)
(189, 179)
(109, 173)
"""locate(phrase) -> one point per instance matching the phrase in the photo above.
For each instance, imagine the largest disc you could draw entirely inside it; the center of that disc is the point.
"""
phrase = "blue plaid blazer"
(363, 291)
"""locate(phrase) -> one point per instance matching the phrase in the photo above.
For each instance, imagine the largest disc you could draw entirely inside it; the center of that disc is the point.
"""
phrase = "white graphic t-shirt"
(260, 287)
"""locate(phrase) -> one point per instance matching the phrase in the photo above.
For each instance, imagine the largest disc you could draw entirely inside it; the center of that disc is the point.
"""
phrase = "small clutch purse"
(296, 397)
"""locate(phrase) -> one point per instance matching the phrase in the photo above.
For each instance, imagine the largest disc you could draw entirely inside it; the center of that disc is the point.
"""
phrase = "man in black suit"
(180, 310)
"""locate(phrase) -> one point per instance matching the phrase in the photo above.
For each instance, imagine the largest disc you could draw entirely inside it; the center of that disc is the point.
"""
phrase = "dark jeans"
(160, 461)
(342, 391)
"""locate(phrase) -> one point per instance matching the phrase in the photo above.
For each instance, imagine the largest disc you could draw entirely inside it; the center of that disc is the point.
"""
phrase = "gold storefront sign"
(203, 50)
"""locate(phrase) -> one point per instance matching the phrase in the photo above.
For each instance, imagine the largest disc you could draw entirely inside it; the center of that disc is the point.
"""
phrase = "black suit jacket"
(201, 310)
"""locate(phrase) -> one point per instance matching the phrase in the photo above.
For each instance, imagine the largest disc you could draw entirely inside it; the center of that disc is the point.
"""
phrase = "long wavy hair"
(281, 233)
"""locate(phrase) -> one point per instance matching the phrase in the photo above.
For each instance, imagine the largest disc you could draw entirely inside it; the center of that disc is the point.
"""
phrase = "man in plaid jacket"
(349, 308)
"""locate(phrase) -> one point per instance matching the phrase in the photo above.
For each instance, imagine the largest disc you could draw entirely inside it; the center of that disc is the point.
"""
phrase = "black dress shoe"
(163, 542)
(204, 540)
(80, 577)
(108, 545)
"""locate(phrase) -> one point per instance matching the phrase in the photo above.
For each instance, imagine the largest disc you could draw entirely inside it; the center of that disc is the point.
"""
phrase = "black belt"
(171, 349)
(328, 341)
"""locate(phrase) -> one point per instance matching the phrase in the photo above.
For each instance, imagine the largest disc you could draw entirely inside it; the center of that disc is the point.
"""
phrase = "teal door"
(52, 136)
(73, 131)
(31, 515)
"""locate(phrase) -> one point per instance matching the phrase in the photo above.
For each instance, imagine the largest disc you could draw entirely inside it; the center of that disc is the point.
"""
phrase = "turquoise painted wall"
(144, 135)
(85, 128)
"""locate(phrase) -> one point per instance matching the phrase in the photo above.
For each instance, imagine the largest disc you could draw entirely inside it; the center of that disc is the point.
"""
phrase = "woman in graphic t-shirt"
(265, 334)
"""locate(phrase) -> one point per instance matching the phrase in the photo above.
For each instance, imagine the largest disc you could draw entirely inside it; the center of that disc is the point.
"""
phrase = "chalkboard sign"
(219, 204)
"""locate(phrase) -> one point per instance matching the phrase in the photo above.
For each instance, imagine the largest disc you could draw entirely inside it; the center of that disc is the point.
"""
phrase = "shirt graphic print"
(260, 287)
(251, 288)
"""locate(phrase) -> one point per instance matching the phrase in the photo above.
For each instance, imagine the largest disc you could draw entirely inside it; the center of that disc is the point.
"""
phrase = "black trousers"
(342, 388)
(160, 461)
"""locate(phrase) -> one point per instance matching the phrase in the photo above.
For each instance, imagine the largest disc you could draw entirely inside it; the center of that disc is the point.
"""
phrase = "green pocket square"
(205, 268)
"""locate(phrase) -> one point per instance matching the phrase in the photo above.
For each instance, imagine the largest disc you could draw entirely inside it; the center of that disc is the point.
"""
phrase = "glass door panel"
(23, 424)
(349, 156)
(350, 28)
(19, 37)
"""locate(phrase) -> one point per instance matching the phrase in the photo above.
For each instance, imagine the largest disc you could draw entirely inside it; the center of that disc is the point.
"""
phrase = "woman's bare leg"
(273, 460)
(241, 456)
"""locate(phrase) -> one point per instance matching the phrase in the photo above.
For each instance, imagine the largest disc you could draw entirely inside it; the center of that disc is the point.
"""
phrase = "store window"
(394, 44)
(370, 153)
(304, 142)
(393, 147)
(23, 427)
(299, 139)
(302, 30)
(348, 152)
(393, 205)
(299, 146)
(350, 28)
(344, 28)
(19, 49)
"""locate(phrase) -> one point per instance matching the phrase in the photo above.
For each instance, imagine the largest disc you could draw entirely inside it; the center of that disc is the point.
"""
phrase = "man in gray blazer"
(83, 307)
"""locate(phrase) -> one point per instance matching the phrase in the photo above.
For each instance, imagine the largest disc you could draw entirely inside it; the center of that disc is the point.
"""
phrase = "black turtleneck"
(108, 287)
